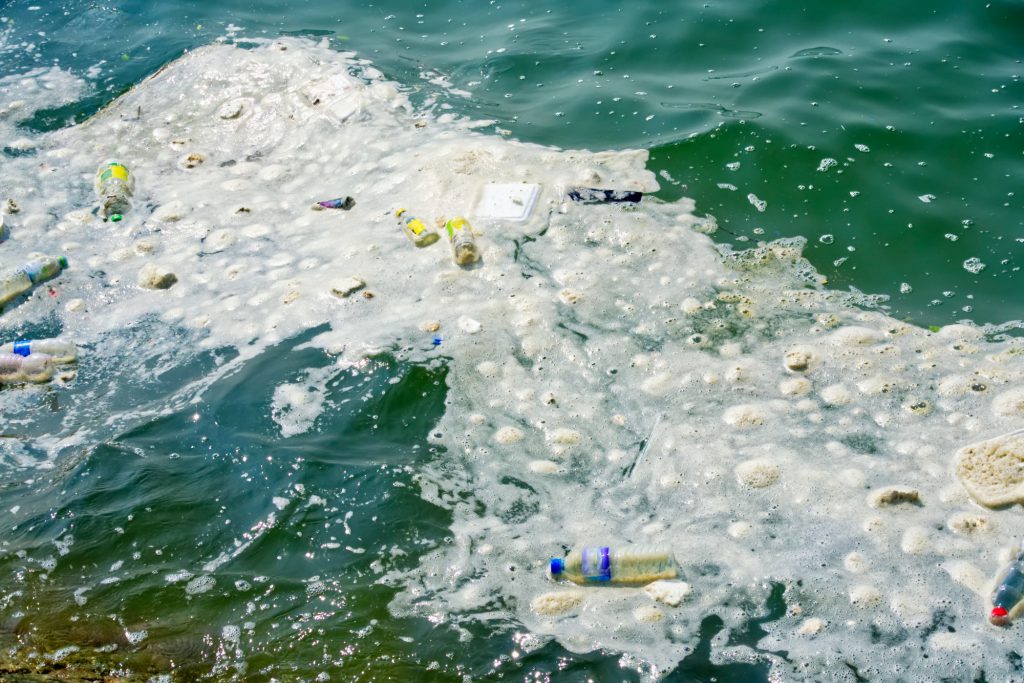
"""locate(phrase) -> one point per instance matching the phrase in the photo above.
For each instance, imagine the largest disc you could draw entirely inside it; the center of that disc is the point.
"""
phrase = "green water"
(931, 94)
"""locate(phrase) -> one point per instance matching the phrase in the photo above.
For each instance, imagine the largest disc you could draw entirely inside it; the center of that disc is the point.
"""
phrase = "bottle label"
(416, 226)
(456, 225)
(22, 348)
(113, 171)
(596, 565)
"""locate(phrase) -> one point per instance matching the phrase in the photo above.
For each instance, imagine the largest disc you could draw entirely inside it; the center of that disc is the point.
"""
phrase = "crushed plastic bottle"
(589, 195)
(59, 350)
(3, 228)
(1009, 590)
(416, 230)
(629, 565)
(114, 187)
(344, 203)
(464, 249)
(15, 369)
(29, 275)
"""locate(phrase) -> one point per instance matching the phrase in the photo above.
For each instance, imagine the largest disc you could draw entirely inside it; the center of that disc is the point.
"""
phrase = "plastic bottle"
(1009, 590)
(35, 368)
(590, 195)
(30, 274)
(60, 350)
(416, 230)
(464, 249)
(114, 187)
(628, 565)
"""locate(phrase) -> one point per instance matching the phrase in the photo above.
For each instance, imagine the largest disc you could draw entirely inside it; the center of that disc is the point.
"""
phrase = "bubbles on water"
(952, 237)
(974, 265)
(905, 288)
(827, 239)
(200, 584)
(757, 202)
(733, 165)
(136, 637)
(826, 164)
(862, 148)
(927, 198)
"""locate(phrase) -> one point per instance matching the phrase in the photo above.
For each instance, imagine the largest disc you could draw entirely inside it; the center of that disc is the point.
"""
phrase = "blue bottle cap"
(557, 566)
(22, 348)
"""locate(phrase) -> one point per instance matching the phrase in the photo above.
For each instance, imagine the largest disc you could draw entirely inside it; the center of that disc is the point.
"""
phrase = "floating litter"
(507, 201)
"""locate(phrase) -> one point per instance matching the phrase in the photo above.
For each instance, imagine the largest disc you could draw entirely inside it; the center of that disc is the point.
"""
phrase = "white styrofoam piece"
(507, 201)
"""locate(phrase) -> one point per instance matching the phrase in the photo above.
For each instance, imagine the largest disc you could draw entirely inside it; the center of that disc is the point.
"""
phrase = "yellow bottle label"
(456, 225)
(416, 225)
(113, 171)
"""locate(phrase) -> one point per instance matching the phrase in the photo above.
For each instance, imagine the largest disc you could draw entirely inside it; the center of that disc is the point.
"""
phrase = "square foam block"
(507, 201)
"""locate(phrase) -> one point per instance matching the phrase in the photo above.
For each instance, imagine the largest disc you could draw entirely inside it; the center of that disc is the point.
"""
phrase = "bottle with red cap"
(1009, 590)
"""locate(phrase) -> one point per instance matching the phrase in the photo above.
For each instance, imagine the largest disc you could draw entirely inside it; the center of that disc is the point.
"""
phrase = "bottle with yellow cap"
(416, 230)
(464, 249)
(114, 187)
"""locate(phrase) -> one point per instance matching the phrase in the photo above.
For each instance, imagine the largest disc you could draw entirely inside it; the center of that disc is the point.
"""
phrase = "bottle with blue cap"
(626, 565)
(29, 275)
(60, 350)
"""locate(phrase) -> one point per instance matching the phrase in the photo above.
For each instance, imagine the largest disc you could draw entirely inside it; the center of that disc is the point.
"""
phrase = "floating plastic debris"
(345, 203)
(587, 195)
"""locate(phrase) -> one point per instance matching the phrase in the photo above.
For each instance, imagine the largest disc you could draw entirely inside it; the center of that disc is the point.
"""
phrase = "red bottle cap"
(999, 616)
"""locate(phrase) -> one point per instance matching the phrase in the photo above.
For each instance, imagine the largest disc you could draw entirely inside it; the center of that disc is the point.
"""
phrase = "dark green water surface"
(890, 135)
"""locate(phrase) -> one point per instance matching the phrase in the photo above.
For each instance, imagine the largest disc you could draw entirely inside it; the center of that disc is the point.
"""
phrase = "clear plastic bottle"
(60, 350)
(416, 230)
(628, 565)
(29, 275)
(114, 187)
(15, 369)
(1009, 590)
(464, 249)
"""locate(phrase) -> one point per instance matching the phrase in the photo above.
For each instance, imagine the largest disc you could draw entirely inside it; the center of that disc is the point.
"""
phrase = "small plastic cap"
(63, 261)
(999, 616)
(115, 217)
(557, 566)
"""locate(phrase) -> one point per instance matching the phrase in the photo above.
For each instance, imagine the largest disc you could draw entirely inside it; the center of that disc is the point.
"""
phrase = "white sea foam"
(563, 349)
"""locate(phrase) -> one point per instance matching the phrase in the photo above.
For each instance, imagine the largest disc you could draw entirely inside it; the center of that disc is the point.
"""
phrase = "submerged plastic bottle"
(114, 187)
(59, 350)
(628, 565)
(464, 249)
(1009, 590)
(416, 230)
(35, 368)
(30, 274)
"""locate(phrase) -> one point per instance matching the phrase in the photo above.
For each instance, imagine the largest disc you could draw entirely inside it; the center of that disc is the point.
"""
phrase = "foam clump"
(508, 435)
(745, 416)
(970, 523)
(648, 614)
(811, 626)
(1009, 403)
(557, 602)
(346, 287)
(890, 496)
(153, 276)
(865, 596)
(992, 471)
(757, 474)
(669, 592)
